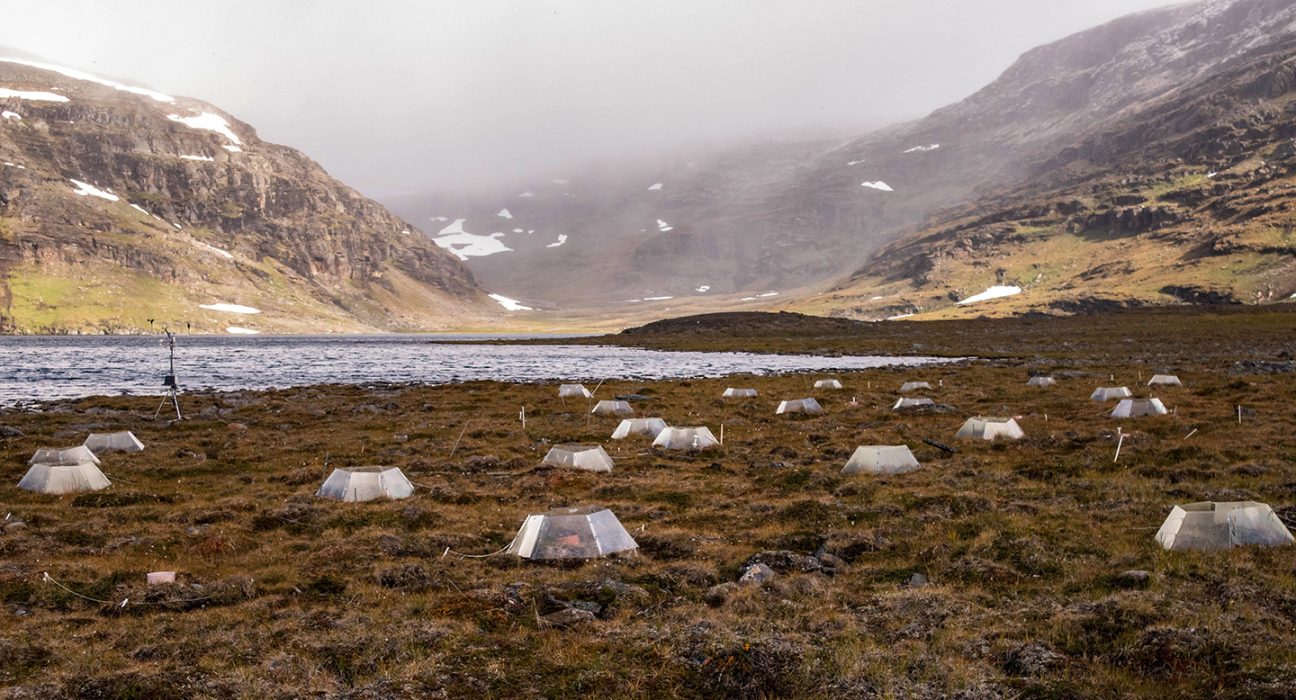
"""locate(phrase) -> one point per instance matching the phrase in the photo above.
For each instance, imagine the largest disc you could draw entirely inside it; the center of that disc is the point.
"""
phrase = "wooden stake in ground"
(1119, 442)
(461, 434)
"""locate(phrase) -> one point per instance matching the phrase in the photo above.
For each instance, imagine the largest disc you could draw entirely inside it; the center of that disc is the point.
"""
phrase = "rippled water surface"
(50, 367)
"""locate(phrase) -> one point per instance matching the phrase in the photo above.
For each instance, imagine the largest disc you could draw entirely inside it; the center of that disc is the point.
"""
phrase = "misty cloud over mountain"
(397, 97)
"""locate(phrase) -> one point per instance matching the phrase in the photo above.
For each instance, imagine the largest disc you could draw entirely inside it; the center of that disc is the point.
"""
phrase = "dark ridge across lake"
(39, 368)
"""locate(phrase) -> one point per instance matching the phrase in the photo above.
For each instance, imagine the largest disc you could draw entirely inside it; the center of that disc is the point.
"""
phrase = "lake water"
(53, 367)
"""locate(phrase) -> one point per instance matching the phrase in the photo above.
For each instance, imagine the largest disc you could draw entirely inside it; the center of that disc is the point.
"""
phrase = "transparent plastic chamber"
(590, 458)
(651, 427)
(64, 478)
(64, 456)
(124, 441)
(567, 391)
(799, 406)
(686, 439)
(979, 428)
(1133, 408)
(613, 408)
(881, 459)
(588, 532)
(366, 484)
(1210, 526)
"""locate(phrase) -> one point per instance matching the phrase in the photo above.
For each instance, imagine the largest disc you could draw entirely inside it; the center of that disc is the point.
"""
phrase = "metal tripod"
(169, 381)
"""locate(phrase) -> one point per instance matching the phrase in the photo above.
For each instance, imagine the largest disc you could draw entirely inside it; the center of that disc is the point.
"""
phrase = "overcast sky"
(395, 96)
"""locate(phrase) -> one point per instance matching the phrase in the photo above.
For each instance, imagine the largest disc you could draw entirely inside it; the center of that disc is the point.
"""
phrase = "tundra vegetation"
(1018, 569)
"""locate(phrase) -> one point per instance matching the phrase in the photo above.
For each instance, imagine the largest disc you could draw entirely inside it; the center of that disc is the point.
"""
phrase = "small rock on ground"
(756, 573)
(568, 617)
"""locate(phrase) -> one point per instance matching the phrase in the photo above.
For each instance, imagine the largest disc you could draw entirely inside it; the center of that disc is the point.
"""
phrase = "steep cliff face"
(784, 217)
(119, 205)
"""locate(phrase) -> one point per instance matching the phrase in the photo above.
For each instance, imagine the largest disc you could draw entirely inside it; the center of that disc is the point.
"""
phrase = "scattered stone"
(411, 577)
(756, 573)
(1033, 659)
(633, 397)
(515, 596)
(1261, 367)
(568, 617)
(929, 409)
(784, 561)
(237, 427)
(479, 462)
(1134, 578)
(718, 595)
(8, 432)
(831, 563)
(586, 605)
(917, 581)
(14, 526)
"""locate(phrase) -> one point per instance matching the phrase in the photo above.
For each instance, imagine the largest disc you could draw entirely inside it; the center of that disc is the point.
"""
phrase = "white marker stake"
(722, 434)
(1239, 415)
(1194, 432)
(1119, 442)
(523, 416)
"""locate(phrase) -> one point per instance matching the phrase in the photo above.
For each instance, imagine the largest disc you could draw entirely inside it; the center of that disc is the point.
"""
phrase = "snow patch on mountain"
(562, 238)
(33, 95)
(208, 122)
(923, 149)
(10, 115)
(91, 78)
(85, 188)
(213, 249)
(469, 245)
(509, 304)
(228, 308)
(207, 159)
(504, 213)
(656, 186)
(995, 292)
(879, 185)
(663, 226)
(237, 330)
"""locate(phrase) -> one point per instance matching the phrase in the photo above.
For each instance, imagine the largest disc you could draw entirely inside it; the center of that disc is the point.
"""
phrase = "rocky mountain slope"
(123, 209)
(1186, 198)
(788, 217)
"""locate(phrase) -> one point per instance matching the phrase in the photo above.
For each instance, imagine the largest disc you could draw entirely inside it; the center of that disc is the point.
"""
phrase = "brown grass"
(284, 595)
